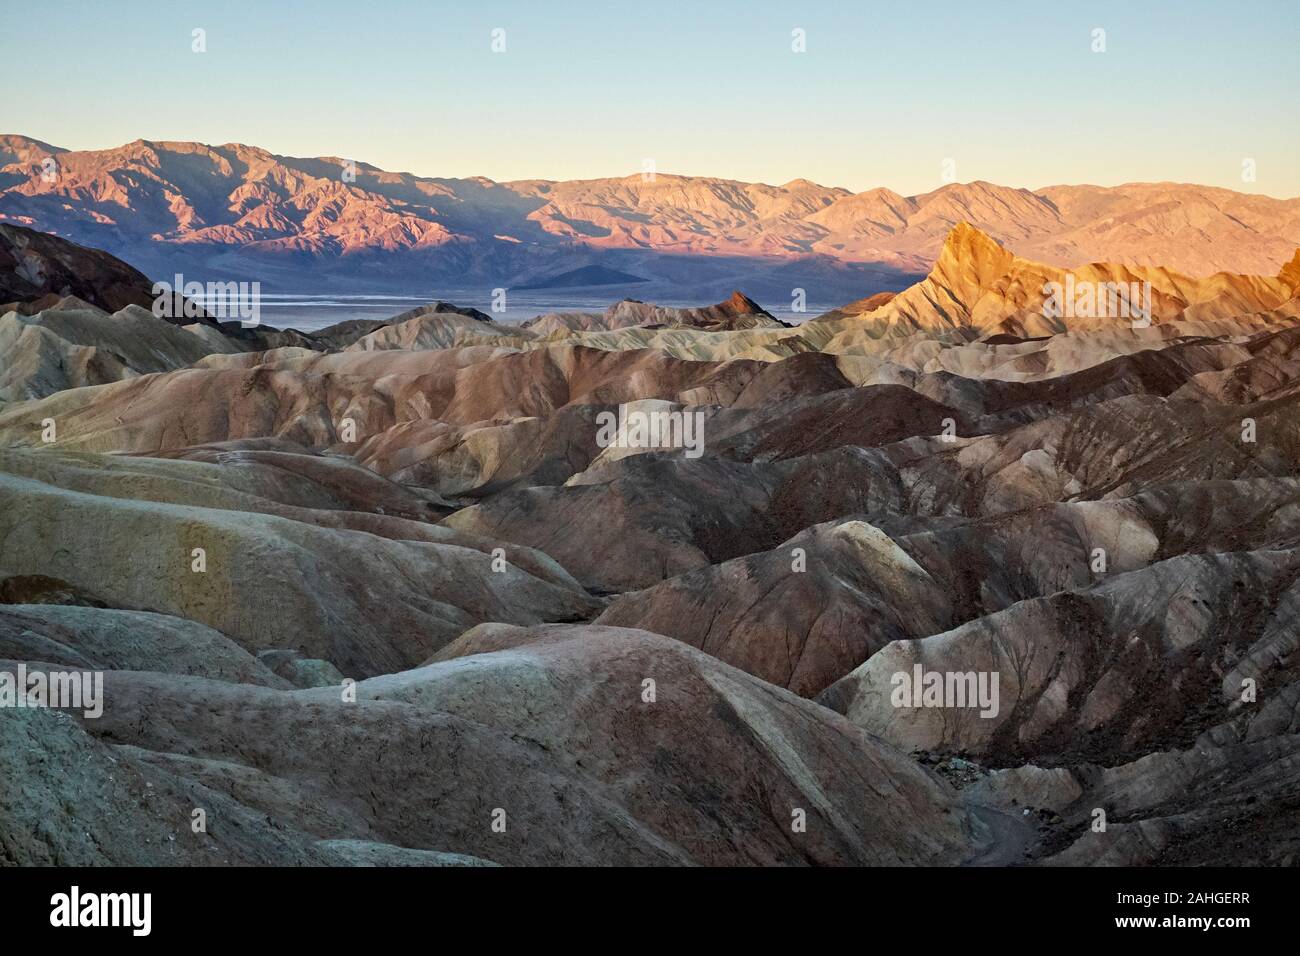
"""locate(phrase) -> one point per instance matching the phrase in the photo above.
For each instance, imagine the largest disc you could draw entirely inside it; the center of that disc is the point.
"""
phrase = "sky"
(884, 94)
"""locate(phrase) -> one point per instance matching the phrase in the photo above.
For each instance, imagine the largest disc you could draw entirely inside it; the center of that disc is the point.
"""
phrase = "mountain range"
(241, 212)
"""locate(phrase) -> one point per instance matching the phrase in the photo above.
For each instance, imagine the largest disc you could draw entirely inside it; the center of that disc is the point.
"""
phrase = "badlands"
(377, 594)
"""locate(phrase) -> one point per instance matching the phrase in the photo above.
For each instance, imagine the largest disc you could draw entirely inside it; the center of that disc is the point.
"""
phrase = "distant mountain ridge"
(237, 211)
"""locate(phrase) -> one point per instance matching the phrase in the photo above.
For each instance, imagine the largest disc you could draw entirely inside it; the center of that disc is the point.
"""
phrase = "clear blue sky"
(885, 92)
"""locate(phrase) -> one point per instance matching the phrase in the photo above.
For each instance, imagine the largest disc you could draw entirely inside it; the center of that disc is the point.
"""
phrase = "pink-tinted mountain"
(240, 212)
